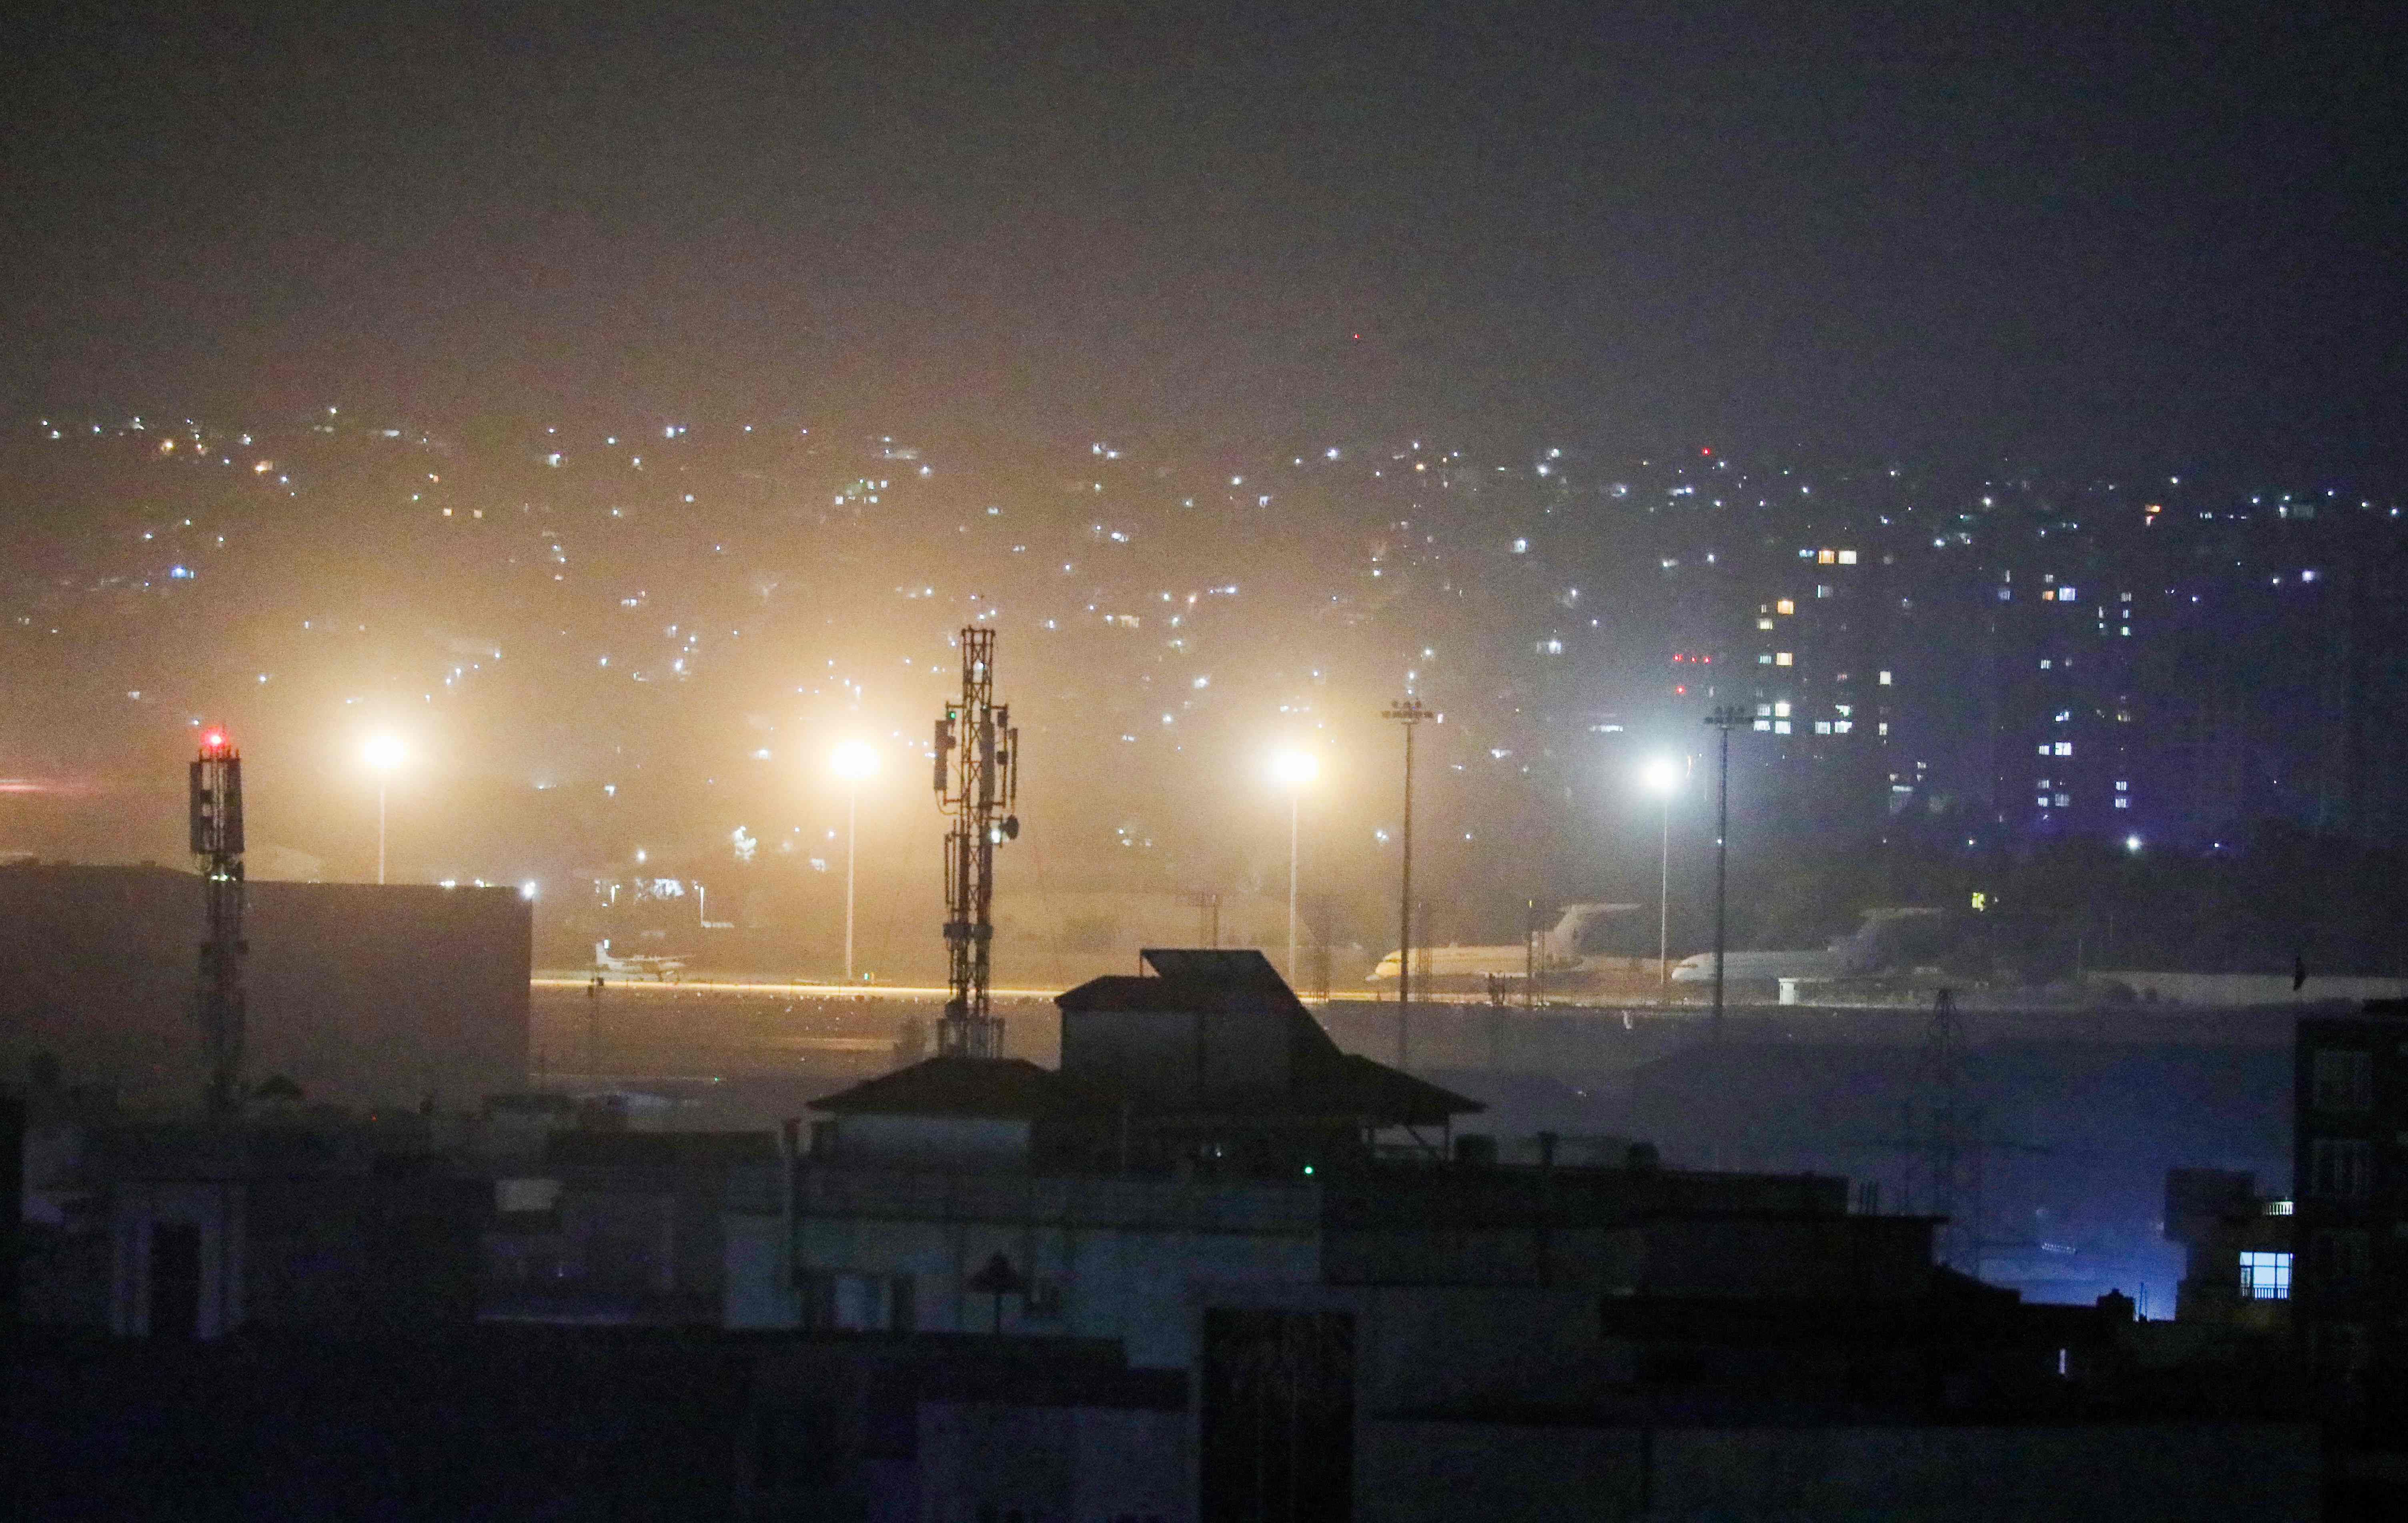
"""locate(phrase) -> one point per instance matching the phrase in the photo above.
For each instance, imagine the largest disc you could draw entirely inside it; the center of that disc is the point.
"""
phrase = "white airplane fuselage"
(637, 964)
(1555, 957)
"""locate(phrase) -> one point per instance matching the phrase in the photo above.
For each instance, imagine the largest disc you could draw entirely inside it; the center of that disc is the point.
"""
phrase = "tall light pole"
(1293, 769)
(1724, 720)
(852, 762)
(1410, 713)
(385, 754)
(1662, 777)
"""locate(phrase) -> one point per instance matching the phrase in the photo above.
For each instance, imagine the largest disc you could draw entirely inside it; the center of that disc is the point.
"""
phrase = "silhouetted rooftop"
(1002, 1089)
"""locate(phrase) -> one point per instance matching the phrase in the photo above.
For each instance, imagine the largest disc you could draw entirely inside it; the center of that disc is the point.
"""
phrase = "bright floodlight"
(854, 761)
(1295, 768)
(383, 753)
(1661, 776)
(2131, 843)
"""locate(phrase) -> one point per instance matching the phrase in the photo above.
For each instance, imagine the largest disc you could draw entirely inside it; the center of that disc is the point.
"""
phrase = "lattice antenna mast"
(978, 783)
(217, 842)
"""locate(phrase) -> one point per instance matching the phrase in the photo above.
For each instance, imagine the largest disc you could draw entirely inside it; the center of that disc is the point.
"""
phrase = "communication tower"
(217, 841)
(978, 784)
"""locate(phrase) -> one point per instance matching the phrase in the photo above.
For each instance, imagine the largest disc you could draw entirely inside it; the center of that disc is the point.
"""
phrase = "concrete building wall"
(1436, 1471)
(1051, 1463)
(358, 993)
(1178, 1051)
(757, 1289)
(1419, 1347)
(141, 1217)
(931, 1142)
(1104, 1258)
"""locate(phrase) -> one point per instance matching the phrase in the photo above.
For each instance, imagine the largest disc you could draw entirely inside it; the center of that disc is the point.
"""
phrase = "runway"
(767, 987)
(771, 987)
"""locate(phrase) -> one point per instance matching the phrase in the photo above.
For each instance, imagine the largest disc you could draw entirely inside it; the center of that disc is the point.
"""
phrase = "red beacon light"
(213, 740)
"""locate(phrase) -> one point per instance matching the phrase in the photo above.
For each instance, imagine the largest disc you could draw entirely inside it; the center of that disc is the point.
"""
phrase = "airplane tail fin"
(1563, 941)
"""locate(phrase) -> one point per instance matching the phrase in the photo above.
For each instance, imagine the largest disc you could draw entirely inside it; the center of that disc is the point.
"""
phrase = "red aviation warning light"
(217, 841)
(216, 801)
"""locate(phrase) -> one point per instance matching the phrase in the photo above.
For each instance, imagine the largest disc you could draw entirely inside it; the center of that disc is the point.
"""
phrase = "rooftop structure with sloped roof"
(1209, 1061)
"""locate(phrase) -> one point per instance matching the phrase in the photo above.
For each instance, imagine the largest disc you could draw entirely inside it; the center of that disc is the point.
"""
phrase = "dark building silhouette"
(2349, 1281)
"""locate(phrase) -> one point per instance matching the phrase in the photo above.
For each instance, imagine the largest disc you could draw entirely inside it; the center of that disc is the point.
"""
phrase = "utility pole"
(1722, 721)
(1410, 713)
(1945, 1145)
(978, 783)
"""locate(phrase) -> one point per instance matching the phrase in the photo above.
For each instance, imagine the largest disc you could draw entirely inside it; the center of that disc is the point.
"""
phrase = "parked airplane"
(1572, 955)
(1886, 940)
(637, 964)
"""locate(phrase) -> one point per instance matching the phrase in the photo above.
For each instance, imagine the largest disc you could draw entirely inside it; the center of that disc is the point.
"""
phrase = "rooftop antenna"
(978, 783)
(217, 841)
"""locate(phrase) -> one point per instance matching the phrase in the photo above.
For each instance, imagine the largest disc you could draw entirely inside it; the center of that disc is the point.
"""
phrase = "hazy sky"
(2172, 235)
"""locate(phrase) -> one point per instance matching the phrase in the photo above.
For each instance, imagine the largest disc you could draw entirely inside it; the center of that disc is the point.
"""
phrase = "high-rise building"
(2349, 1280)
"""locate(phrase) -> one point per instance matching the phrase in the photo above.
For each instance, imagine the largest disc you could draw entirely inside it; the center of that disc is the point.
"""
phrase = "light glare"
(1295, 768)
(854, 761)
(1661, 776)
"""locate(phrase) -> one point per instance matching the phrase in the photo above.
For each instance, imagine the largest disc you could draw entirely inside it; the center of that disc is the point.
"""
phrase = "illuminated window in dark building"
(2265, 1275)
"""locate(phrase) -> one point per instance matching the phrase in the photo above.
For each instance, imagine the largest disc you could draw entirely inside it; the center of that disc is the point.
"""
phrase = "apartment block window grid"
(2343, 1080)
(2341, 1167)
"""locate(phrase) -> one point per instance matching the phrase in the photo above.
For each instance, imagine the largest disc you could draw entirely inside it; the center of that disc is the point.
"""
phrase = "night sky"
(1944, 233)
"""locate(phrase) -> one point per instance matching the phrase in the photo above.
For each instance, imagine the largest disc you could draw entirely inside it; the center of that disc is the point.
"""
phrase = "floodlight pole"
(852, 831)
(1722, 721)
(1410, 713)
(1664, 903)
(1294, 801)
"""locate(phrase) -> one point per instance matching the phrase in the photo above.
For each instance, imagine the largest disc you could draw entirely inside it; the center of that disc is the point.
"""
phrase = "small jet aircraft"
(1568, 956)
(1887, 939)
(635, 964)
